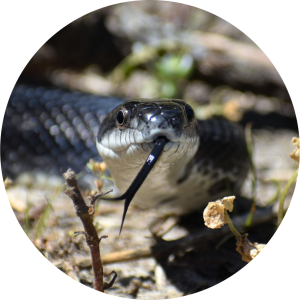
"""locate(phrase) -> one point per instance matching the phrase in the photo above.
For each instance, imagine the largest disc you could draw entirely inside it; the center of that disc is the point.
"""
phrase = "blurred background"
(158, 49)
(163, 49)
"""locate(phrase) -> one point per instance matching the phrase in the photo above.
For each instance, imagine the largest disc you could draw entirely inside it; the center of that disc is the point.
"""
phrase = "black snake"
(49, 128)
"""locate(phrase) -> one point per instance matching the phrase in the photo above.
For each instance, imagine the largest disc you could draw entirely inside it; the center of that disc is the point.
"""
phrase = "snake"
(157, 152)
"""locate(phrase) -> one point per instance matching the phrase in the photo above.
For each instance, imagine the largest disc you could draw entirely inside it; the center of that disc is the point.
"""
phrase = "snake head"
(131, 134)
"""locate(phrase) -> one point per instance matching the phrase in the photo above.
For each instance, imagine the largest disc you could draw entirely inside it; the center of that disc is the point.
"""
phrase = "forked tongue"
(141, 176)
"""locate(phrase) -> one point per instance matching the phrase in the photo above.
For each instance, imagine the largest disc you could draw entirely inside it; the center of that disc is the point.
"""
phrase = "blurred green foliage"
(168, 68)
(172, 70)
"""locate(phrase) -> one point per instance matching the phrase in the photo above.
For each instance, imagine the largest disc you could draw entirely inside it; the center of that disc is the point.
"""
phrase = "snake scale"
(53, 129)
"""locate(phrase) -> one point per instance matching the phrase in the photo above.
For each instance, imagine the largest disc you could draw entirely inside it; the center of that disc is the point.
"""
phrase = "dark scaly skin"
(50, 129)
(222, 146)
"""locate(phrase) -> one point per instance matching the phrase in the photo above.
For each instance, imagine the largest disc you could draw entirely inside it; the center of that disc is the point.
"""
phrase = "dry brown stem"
(92, 239)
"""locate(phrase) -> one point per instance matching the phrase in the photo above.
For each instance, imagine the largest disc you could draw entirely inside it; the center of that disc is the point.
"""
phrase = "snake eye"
(120, 117)
(189, 113)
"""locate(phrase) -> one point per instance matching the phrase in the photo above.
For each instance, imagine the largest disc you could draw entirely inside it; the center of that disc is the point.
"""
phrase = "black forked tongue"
(141, 176)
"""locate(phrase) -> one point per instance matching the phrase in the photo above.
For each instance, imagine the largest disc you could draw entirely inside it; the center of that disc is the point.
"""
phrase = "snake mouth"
(151, 160)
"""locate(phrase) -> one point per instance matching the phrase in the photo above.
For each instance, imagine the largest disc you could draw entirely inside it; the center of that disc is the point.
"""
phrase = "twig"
(94, 198)
(126, 255)
(111, 283)
(92, 239)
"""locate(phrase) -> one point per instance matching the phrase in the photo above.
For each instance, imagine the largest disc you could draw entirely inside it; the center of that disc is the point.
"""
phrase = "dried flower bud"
(247, 249)
(295, 155)
(214, 216)
(97, 166)
(98, 184)
(100, 167)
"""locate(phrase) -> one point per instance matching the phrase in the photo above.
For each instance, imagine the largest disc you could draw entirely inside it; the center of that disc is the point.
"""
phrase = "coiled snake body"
(46, 128)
